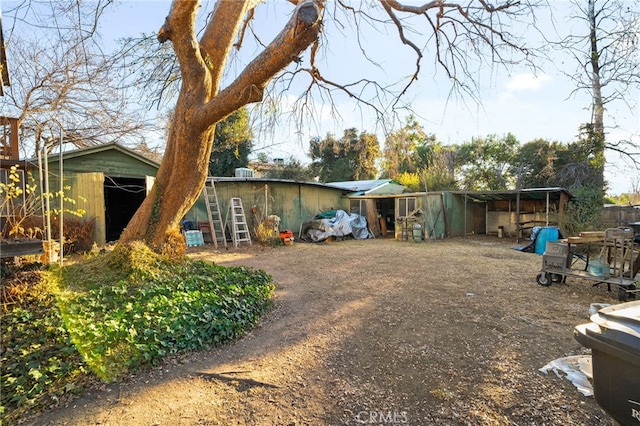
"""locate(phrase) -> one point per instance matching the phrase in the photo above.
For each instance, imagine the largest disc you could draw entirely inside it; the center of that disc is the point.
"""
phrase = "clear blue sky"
(529, 106)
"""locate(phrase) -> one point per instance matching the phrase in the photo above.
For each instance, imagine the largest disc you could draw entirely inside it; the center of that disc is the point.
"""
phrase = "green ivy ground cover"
(109, 315)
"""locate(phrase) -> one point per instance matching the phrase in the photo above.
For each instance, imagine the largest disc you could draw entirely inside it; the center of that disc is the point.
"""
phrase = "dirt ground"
(375, 332)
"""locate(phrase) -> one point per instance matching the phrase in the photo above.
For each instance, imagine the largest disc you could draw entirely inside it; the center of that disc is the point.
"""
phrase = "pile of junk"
(335, 225)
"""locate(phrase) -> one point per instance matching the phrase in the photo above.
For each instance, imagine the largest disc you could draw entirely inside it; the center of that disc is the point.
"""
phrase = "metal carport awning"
(547, 194)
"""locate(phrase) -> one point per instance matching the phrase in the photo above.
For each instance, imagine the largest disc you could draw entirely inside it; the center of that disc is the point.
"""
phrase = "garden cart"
(616, 263)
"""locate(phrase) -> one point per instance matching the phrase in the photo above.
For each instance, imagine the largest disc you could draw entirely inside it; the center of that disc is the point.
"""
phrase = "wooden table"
(587, 240)
(593, 237)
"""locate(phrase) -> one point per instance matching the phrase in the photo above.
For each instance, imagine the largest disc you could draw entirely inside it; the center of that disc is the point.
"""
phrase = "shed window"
(406, 206)
(358, 207)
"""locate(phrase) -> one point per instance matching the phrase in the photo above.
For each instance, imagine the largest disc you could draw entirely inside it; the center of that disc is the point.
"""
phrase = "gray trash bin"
(614, 339)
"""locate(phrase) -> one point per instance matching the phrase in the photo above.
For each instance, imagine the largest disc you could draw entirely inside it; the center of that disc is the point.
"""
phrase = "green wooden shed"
(109, 181)
(294, 202)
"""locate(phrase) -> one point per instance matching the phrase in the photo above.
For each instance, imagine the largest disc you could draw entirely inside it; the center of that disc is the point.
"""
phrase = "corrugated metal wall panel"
(293, 202)
(460, 221)
(87, 190)
(90, 186)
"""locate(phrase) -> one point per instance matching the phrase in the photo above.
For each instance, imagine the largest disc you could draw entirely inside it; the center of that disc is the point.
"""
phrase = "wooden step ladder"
(239, 228)
(216, 224)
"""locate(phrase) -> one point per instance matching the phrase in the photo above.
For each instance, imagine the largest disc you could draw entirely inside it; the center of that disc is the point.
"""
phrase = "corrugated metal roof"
(525, 194)
(97, 149)
(267, 180)
(364, 186)
(352, 188)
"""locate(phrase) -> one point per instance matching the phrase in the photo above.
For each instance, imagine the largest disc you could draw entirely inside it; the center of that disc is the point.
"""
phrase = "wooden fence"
(614, 216)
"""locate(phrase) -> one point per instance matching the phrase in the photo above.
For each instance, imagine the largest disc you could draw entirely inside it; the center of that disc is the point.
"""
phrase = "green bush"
(113, 313)
(39, 361)
(119, 327)
(583, 213)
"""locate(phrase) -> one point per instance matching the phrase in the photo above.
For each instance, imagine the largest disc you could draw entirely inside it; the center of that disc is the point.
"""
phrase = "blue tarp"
(539, 237)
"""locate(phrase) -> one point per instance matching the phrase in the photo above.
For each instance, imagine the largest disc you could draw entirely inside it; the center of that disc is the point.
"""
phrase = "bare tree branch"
(60, 78)
(607, 63)
(301, 31)
(219, 34)
(406, 41)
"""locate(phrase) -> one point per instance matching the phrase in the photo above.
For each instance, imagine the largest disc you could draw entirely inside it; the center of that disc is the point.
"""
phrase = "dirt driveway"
(375, 332)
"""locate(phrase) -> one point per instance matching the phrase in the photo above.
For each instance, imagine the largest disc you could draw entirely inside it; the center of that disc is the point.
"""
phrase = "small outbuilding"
(109, 181)
(514, 212)
(459, 213)
(294, 202)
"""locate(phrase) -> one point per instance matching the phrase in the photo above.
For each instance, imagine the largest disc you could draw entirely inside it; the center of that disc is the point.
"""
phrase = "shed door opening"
(480, 217)
(386, 208)
(122, 197)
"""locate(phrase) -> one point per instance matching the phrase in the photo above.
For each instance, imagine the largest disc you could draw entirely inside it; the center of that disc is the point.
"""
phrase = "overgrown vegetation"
(78, 232)
(21, 207)
(17, 202)
(266, 234)
(112, 313)
(583, 213)
(40, 365)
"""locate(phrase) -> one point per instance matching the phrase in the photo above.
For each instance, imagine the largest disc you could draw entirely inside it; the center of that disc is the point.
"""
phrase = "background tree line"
(418, 160)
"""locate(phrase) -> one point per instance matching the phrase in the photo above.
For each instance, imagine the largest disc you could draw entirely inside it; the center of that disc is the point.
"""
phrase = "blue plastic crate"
(194, 238)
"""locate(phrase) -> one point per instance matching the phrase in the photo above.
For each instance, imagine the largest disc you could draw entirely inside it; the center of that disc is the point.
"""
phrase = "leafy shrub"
(121, 326)
(583, 213)
(112, 313)
(40, 364)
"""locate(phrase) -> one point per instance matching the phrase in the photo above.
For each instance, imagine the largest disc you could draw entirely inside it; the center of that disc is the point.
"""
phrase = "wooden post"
(12, 150)
(447, 228)
(518, 225)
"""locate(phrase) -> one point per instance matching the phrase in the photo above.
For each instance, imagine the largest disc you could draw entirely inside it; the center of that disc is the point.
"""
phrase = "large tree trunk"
(598, 105)
(178, 183)
(201, 104)
(597, 119)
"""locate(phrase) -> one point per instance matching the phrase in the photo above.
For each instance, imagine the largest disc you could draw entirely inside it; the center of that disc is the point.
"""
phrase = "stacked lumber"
(587, 237)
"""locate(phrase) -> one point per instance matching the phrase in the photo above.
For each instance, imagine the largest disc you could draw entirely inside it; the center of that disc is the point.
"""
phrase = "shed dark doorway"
(122, 197)
(480, 217)
(387, 210)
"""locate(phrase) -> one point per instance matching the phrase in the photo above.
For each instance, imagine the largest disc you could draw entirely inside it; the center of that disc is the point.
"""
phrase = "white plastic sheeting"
(341, 225)
(577, 369)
